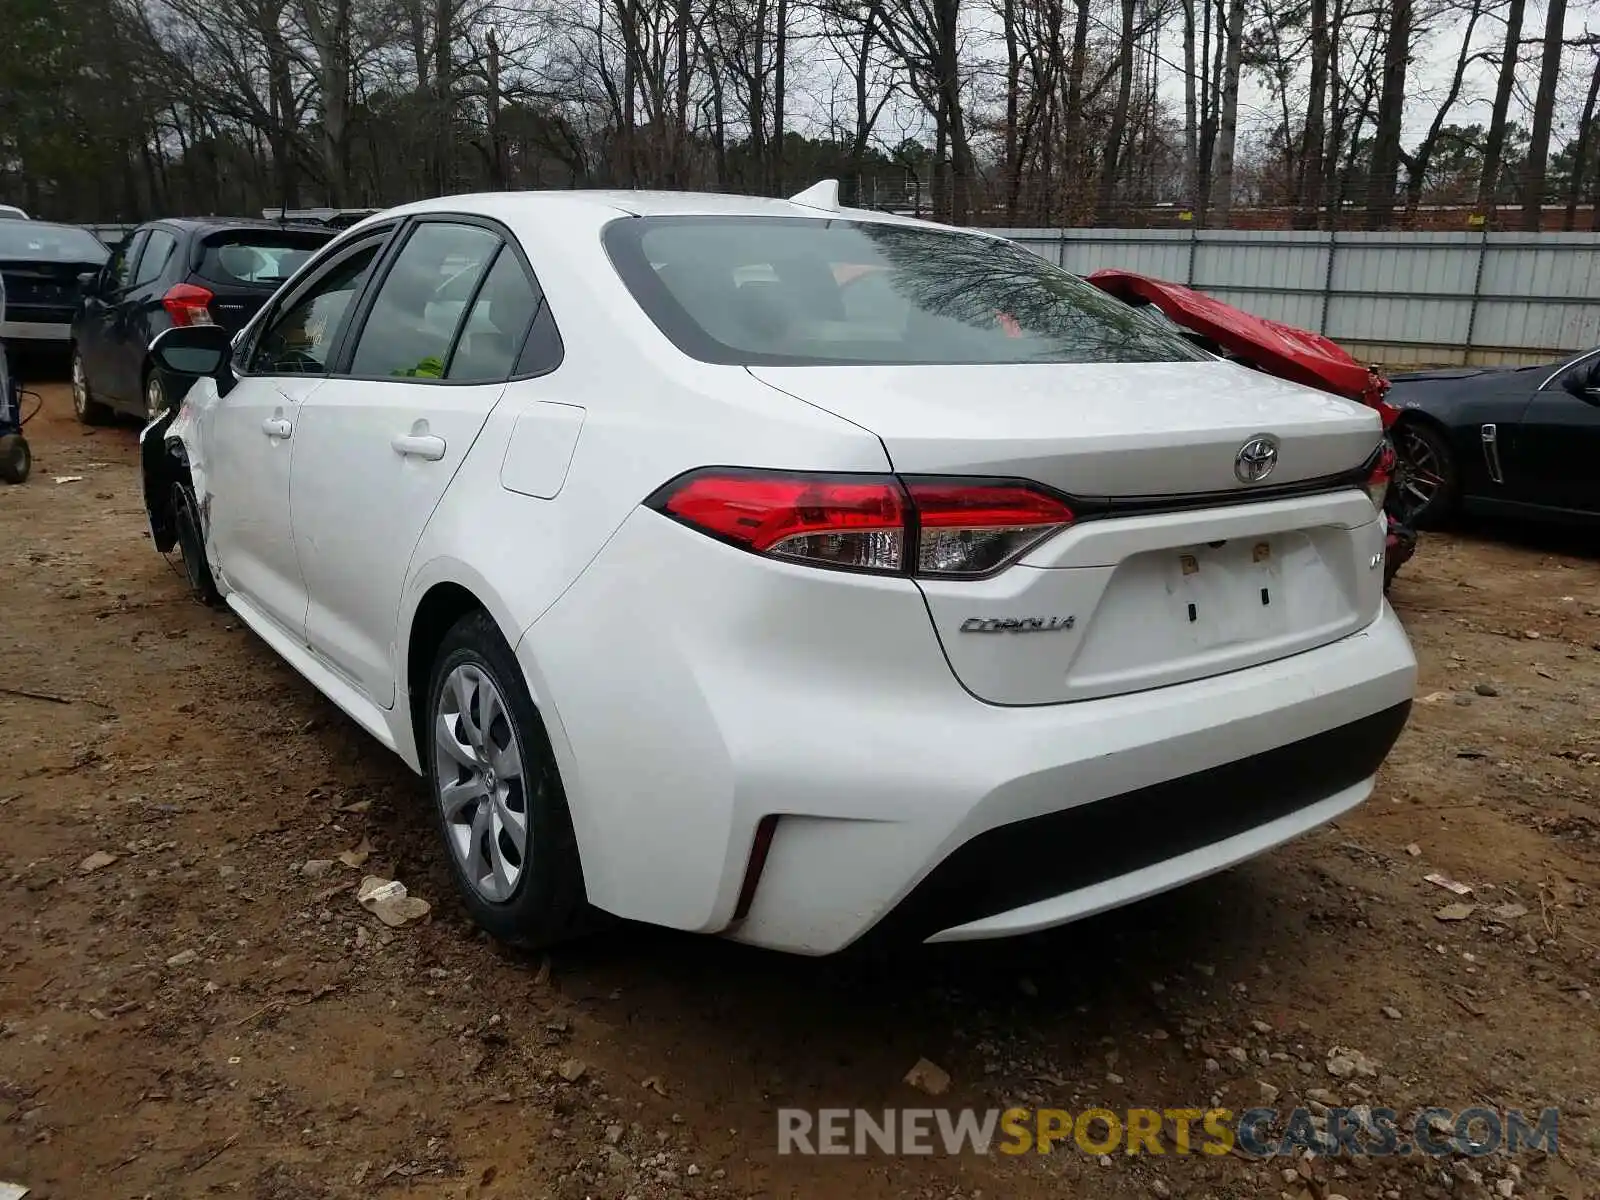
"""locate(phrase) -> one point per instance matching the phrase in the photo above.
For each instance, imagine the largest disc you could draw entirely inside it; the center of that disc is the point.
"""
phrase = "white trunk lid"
(1155, 598)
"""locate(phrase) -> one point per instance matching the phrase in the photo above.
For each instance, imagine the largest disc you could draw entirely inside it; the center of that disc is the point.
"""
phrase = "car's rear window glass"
(796, 290)
(263, 257)
(39, 242)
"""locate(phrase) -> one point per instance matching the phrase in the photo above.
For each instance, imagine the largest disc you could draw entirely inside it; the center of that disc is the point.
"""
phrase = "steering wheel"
(297, 362)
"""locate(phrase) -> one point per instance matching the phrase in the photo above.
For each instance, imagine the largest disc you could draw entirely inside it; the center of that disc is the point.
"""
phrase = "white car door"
(377, 444)
(253, 433)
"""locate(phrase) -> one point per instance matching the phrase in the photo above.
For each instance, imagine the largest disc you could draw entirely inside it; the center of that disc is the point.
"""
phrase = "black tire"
(192, 546)
(16, 460)
(85, 407)
(547, 904)
(1424, 456)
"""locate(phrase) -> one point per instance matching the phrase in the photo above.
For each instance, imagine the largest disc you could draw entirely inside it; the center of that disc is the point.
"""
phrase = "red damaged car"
(1273, 347)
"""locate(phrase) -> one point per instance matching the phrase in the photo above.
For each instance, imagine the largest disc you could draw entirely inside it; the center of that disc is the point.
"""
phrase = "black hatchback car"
(208, 271)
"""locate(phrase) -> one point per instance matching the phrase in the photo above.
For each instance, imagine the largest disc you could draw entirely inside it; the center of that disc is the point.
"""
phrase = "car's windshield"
(796, 290)
(40, 242)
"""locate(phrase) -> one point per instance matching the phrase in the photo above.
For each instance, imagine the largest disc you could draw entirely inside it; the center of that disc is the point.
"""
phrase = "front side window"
(423, 299)
(797, 290)
(119, 267)
(300, 338)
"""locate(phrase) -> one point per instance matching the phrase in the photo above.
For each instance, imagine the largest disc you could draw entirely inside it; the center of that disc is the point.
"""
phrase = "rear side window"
(496, 326)
(263, 258)
(422, 301)
(157, 254)
(798, 291)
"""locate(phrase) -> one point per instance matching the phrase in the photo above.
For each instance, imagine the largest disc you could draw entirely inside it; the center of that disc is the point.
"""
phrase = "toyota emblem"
(1256, 458)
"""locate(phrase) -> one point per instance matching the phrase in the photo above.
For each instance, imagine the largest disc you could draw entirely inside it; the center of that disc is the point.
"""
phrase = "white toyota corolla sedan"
(788, 572)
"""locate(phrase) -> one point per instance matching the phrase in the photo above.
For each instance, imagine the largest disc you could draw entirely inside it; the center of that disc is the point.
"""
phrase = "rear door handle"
(418, 445)
(277, 428)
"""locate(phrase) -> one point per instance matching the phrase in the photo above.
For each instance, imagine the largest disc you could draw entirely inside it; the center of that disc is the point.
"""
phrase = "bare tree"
(1494, 143)
(1544, 105)
(1221, 208)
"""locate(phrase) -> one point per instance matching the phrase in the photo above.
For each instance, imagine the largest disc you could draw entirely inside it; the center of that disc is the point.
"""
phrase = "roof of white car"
(510, 205)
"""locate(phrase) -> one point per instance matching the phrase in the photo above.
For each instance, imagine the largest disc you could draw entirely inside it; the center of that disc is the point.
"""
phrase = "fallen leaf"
(1508, 912)
(572, 1069)
(386, 899)
(929, 1077)
(653, 1084)
(1414, 850)
(96, 860)
(69, 478)
(357, 857)
(1455, 912)
(1434, 698)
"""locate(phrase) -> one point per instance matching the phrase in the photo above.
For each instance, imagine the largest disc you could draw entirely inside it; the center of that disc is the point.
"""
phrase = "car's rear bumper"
(693, 691)
(36, 331)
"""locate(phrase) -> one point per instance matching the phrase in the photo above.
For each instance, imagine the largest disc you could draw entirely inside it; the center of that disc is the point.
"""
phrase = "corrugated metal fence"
(1393, 298)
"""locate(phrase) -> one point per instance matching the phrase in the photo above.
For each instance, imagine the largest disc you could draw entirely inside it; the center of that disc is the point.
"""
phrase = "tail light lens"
(188, 304)
(880, 523)
(1377, 484)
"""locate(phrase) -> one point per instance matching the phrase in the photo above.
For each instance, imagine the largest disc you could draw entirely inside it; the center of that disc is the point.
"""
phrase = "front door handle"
(418, 445)
(277, 428)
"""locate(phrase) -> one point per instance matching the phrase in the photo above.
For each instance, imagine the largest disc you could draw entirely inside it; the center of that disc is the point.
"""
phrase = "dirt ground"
(198, 1016)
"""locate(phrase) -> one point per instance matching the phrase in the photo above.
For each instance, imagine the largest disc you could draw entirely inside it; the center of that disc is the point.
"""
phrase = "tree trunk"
(1228, 126)
(443, 105)
(1544, 105)
(1581, 152)
(780, 52)
(1191, 120)
(680, 124)
(1110, 160)
(499, 174)
(1417, 165)
(1072, 132)
(1309, 200)
(1494, 144)
(1385, 172)
(1011, 165)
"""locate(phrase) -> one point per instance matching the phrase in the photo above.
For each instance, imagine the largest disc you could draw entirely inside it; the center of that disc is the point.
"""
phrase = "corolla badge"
(1256, 458)
(1017, 624)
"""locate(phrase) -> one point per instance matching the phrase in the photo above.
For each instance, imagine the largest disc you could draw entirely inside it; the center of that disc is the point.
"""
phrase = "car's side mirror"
(196, 350)
(1584, 383)
(87, 282)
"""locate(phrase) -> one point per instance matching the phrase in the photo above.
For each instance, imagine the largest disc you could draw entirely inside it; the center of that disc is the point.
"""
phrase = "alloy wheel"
(1419, 474)
(479, 782)
(155, 397)
(80, 386)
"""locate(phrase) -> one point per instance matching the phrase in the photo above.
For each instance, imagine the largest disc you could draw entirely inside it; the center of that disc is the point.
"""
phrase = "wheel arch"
(441, 593)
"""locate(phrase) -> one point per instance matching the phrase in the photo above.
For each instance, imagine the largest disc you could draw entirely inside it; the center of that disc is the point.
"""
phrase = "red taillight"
(972, 528)
(1377, 484)
(879, 523)
(188, 304)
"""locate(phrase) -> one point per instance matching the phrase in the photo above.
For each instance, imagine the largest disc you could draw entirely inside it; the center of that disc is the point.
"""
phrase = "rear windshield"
(266, 257)
(39, 242)
(799, 291)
